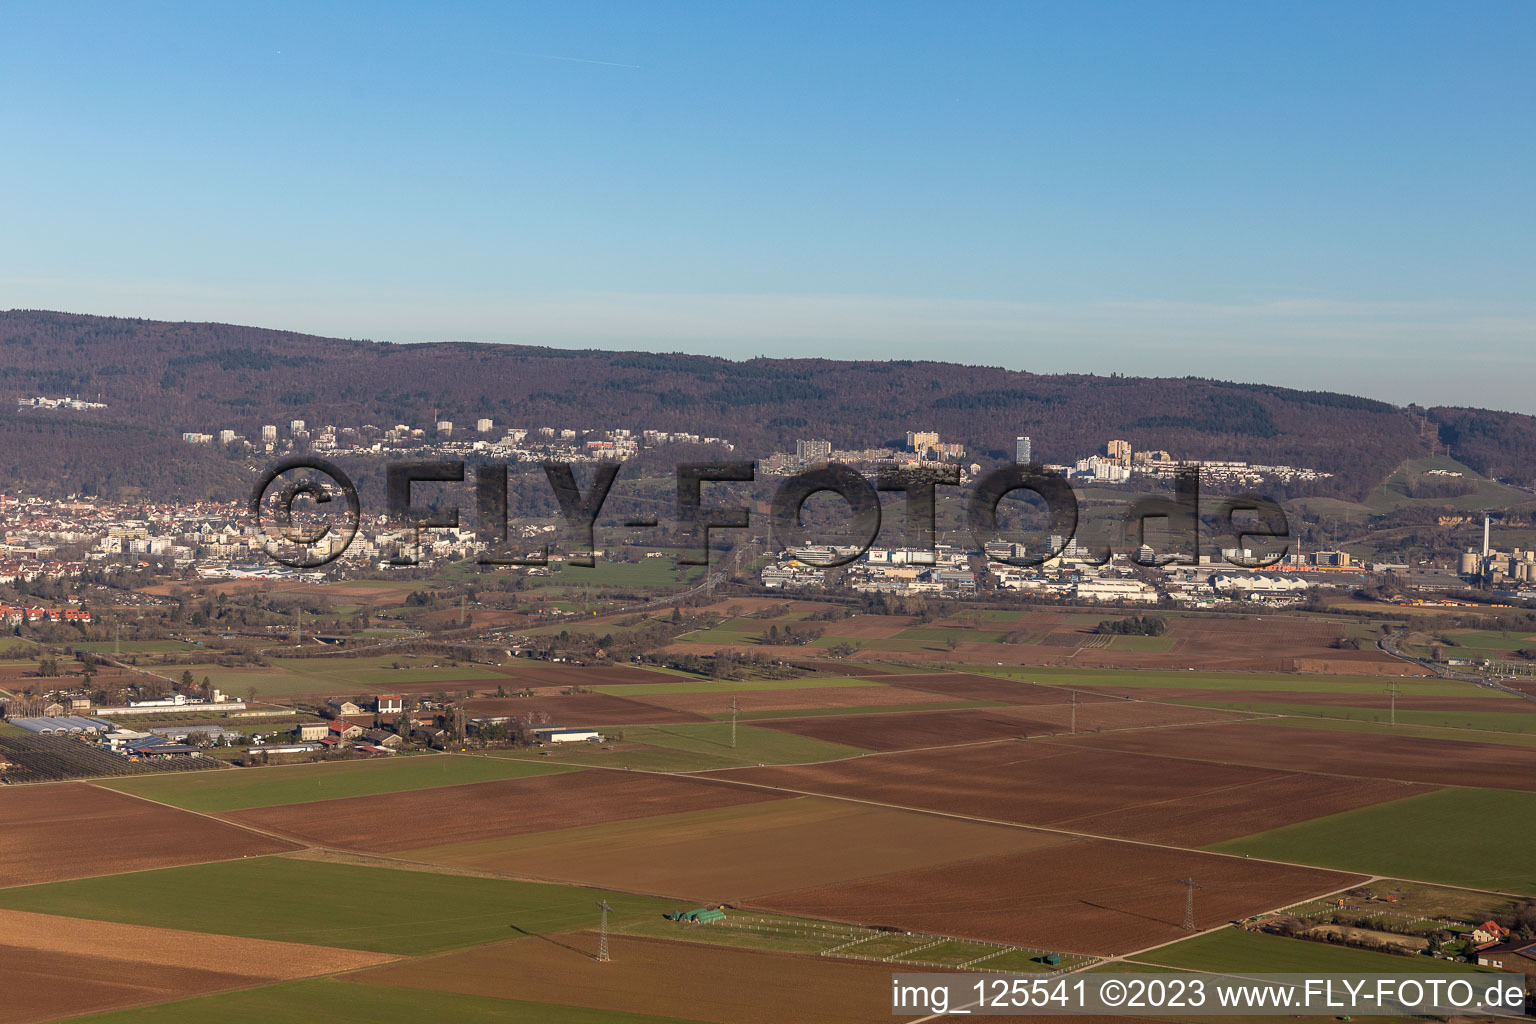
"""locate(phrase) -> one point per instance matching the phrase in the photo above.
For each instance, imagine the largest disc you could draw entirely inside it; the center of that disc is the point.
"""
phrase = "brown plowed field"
(72, 830)
(675, 980)
(906, 731)
(43, 986)
(1405, 702)
(728, 854)
(1061, 785)
(966, 686)
(487, 810)
(1084, 896)
(1185, 655)
(59, 966)
(1364, 755)
(582, 709)
(787, 700)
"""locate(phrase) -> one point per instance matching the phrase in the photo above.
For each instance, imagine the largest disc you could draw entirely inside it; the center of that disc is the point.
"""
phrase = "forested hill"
(160, 379)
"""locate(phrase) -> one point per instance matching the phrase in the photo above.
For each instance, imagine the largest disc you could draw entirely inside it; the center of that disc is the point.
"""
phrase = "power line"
(733, 722)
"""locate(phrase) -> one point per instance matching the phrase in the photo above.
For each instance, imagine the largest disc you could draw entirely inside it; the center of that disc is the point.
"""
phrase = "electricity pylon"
(1189, 902)
(602, 933)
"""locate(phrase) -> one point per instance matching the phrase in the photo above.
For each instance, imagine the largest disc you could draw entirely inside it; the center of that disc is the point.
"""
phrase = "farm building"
(62, 724)
(389, 704)
(567, 736)
(1509, 956)
(343, 730)
(119, 738)
(312, 730)
(290, 748)
(157, 747)
(184, 733)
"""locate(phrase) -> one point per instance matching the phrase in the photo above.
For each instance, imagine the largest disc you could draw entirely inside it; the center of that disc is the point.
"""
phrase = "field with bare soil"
(682, 980)
(1362, 755)
(1061, 785)
(731, 853)
(1084, 896)
(486, 810)
(73, 830)
(60, 966)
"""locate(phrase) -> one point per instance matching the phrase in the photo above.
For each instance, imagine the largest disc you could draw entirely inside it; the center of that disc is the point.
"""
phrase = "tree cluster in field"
(1440, 487)
(1134, 625)
(792, 635)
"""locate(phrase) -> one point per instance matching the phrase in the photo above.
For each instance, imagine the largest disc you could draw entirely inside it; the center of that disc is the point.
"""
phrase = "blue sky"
(1328, 195)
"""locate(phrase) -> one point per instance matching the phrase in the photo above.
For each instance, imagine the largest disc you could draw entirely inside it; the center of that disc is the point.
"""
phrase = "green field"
(1423, 732)
(345, 1002)
(342, 677)
(379, 670)
(1232, 950)
(136, 646)
(701, 747)
(382, 910)
(650, 573)
(881, 709)
(1487, 640)
(1239, 681)
(1393, 494)
(1457, 836)
(245, 788)
(714, 686)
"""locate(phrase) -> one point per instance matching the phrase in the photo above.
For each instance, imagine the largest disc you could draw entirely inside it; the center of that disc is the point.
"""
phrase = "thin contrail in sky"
(577, 60)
